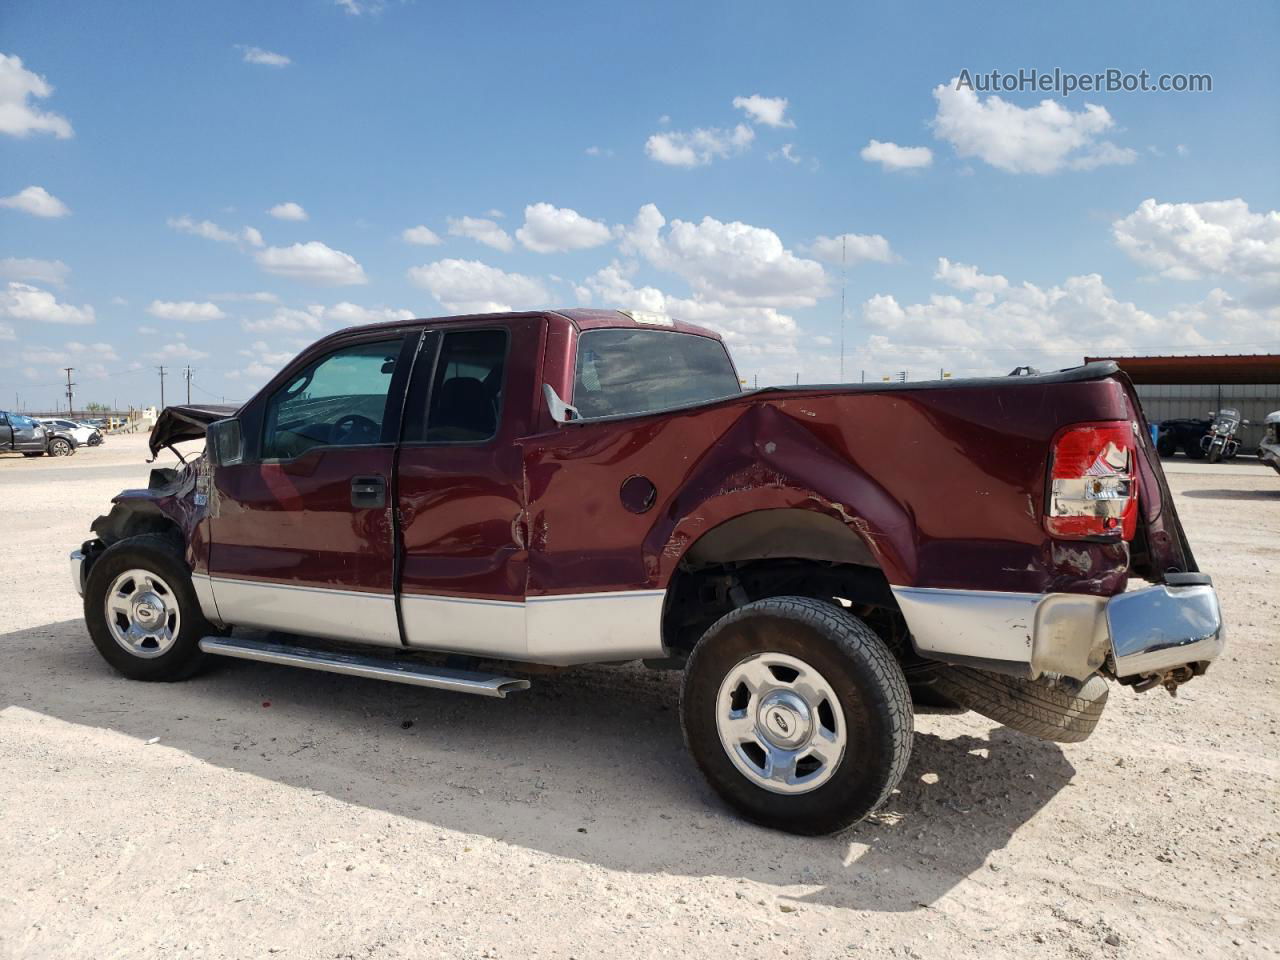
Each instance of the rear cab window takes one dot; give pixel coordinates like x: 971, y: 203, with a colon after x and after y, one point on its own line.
x: 627, y: 371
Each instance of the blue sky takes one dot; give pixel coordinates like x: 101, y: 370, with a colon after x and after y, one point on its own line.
x: 637, y: 155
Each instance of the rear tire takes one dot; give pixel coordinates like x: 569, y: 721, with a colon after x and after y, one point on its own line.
x: 847, y: 733
x: 142, y: 611
x: 1064, y: 711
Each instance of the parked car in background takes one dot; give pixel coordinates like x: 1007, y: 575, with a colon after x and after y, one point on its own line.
x: 591, y: 486
x: 1269, y: 449
x: 30, y: 437
x: 85, y: 434
x: 1185, y: 434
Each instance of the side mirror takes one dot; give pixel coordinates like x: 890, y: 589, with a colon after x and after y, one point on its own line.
x: 561, y: 412
x: 223, y: 442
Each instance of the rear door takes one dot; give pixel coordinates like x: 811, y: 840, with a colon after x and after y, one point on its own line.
x: 6, y: 433
x: 302, y: 531
x: 461, y: 491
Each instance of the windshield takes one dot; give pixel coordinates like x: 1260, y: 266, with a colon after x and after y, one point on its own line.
x: 639, y: 371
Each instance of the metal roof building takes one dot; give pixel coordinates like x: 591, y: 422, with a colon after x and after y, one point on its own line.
x: 1176, y: 387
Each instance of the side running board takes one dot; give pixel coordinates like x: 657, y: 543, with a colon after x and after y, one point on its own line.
x: 375, y: 668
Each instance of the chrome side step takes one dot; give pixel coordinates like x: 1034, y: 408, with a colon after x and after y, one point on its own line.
x: 375, y: 668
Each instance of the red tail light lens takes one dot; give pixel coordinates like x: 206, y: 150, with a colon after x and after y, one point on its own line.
x: 1092, y: 490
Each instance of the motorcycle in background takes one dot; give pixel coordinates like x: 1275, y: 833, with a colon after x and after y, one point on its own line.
x: 1220, y: 442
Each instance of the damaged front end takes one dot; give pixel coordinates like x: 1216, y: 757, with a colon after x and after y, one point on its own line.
x: 174, y: 501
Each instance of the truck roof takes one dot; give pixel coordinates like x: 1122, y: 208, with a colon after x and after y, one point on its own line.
x: 581, y: 317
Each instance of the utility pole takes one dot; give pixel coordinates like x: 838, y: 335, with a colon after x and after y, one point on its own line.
x: 188, y: 383
x: 161, y: 369
x: 70, y: 407
x: 844, y: 282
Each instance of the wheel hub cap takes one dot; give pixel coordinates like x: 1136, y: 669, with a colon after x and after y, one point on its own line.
x: 142, y: 613
x: 784, y: 719
x: 780, y: 723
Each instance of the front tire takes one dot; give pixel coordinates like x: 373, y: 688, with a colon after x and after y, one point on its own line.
x: 142, y: 611
x: 59, y: 448
x: 797, y: 714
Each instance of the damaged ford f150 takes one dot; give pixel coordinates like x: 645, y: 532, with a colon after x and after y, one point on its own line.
x: 450, y: 502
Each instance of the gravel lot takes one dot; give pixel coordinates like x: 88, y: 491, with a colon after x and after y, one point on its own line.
x: 292, y: 814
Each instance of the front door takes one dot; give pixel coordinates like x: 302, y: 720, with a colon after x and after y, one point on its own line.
x: 301, y: 532
x: 461, y: 495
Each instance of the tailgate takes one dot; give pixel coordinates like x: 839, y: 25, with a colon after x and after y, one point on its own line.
x: 1161, y: 546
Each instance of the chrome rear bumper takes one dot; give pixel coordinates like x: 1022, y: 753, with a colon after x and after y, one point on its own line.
x: 77, y: 568
x: 1139, y: 636
x: 1164, y: 627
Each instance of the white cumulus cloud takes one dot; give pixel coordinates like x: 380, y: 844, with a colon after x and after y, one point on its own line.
x: 852, y: 248
x: 422, y: 236
x: 28, y: 304
x: 1000, y: 325
x: 698, y: 147
x: 1041, y: 139
x: 757, y: 336
x: 54, y: 272
x: 209, y: 230
x: 185, y: 310
x: 550, y: 229
x: 470, y: 286
x: 19, y: 117
x: 1184, y: 241
x: 961, y: 276
x: 732, y: 263
x: 770, y: 111
x: 265, y: 58
x: 36, y: 201
x: 481, y: 230
x: 288, y: 211
x: 313, y: 262
x: 893, y: 157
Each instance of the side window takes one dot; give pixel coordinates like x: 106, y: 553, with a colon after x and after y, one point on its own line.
x: 339, y: 400
x: 466, y: 395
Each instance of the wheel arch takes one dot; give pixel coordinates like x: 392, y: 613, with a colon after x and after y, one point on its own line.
x: 773, y: 551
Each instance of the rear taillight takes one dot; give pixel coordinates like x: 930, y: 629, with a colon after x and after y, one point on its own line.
x: 1092, y: 491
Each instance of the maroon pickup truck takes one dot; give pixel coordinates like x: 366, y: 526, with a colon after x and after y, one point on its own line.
x: 449, y: 502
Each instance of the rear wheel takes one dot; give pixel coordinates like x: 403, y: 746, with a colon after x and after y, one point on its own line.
x: 142, y: 611
x: 797, y: 714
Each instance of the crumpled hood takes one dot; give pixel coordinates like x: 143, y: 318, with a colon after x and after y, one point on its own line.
x: 187, y: 422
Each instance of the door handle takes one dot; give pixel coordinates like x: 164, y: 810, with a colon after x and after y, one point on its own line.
x: 368, y: 492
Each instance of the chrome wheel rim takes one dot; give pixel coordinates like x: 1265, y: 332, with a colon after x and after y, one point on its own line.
x: 780, y: 723
x: 142, y: 613
x: 59, y: 448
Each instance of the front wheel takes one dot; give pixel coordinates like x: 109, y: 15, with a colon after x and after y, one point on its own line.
x: 59, y: 447
x: 797, y: 714
x: 142, y: 611
x: 1215, y: 452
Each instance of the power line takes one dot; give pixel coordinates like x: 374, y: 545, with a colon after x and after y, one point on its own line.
x: 70, y: 405
x: 161, y: 369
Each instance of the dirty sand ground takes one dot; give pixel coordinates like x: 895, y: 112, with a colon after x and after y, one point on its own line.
x: 568, y: 822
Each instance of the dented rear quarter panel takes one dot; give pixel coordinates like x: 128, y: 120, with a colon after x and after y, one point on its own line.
x: 946, y: 486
